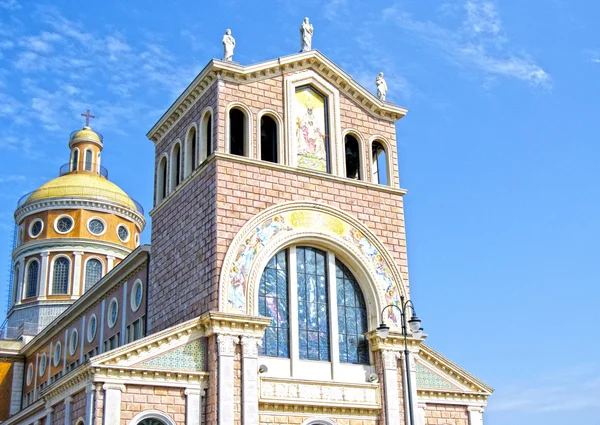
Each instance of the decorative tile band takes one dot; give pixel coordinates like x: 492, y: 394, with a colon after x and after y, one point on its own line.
x: 191, y: 356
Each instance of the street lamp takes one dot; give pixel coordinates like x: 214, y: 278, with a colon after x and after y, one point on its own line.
x: 414, y: 324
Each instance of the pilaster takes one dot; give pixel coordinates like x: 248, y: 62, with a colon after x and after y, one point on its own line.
x: 420, y: 416
x: 68, y: 402
x: 90, y: 393
x: 389, y: 359
x: 193, y: 406
x: 112, y: 404
x: 250, y: 379
x: 16, y: 396
x: 20, y: 279
x: 475, y: 415
x: 49, y: 412
x: 227, y: 345
x: 110, y: 263
x: 76, y: 290
x: 42, y: 289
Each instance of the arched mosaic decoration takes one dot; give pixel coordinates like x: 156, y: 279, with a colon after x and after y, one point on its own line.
x: 284, y: 222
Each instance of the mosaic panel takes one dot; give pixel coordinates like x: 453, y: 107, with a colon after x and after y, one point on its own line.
x: 191, y: 356
x: 428, y: 379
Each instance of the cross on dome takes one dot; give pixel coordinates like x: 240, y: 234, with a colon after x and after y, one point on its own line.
x: 87, y: 116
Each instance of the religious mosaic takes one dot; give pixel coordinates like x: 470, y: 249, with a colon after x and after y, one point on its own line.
x: 286, y: 222
x: 191, y: 356
x: 310, y: 111
x: 426, y: 379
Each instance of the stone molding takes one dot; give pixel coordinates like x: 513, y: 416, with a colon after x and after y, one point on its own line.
x: 46, y: 246
x: 118, y: 387
x: 217, y: 70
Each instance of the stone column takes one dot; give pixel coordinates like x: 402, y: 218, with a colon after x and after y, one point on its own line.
x: 49, y: 411
x: 193, y: 406
x: 68, y: 401
x: 76, y: 290
x: 227, y: 345
x: 110, y: 262
x: 112, y: 404
x: 475, y: 415
x: 250, y: 380
x: 43, y: 276
x: 389, y: 359
x: 90, y: 391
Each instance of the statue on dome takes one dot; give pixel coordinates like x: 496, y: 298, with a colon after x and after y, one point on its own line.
x: 306, y: 33
x: 228, y: 46
x: 381, y: 87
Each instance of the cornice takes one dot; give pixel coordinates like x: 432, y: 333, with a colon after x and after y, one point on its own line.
x: 80, y: 203
x: 144, y: 376
x: 445, y: 396
x: 277, y: 167
x: 394, y: 341
x: 71, y: 244
x: 311, y: 409
x: 79, y: 377
x: 224, y: 70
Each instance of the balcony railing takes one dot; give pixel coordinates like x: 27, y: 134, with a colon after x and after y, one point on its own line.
x: 66, y: 168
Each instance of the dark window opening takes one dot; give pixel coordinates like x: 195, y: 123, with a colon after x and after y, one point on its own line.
x: 209, y: 146
x: 163, y: 177
x: 237, y: 127
x: 177, y: 165
x: 379, y: 164
x: 193, y: 153
x: 352, y: 157
x: 74, y: 163
x: 268, y: 139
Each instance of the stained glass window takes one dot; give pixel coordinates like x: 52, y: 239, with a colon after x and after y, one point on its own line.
x: 32, y: 279
x: 313, y: 324
x: 60, y: 278
x: 352, y: 317
x: 93, y: 273
x: 273, y: 302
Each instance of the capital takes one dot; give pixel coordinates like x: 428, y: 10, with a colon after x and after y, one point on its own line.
x: 194, y: 391
x: 390, y: 359
x: 478, y: 409
x: 118, y: 387
x: 68, y: 400
x: 227, y: 344
x: 250, y: 346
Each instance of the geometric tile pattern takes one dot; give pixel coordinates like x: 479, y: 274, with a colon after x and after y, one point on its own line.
x: 189, y: 357
x: 427, y: 379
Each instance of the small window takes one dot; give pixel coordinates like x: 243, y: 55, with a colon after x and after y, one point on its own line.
x: 161, y: 176
x: 60, y: 277
x: 96, y: 226
x: 113, y: 312
x: 93, y: 273
x: 176, y: 166
x: 73, y: 341
x: 123, y: 233
x: 36, y: 227
x: 268, y: 139
x: 352, y: 157
x: 190, y: 152
x: 92, y: 328
x: 29, y: 373
x: 75, y: 160
x: 208, y: 135
x: 63, y: 224
x: 43, y: 364
x: 379, y: 164
x: 57, y: 354
x: 32, y: 279
x: 237, y: 132
x: 88, y: 160
x: 137, y: 293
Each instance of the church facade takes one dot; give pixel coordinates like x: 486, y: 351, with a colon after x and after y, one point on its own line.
x: 278, y: 239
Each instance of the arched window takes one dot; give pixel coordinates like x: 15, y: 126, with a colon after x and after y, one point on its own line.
x: 209, y: 135
x: 88, y: 160
x: 190, y: 152
x: 311, y: 322
x: 93, y: 273
x: 237, y: 132
x: 161, y: 175
x: 33, y: 276
x: 60, y: 276
x: 351, y: 146
x: 379, y: 164
x: 75, y: 160
x: 268, y: 139
x: 175, y: 166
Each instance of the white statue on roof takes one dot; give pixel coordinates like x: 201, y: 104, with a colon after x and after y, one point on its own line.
x: 228, y: 46
x: 381, y: 87
x: 306, y: 33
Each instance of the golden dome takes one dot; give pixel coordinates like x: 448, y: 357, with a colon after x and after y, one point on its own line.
x: 82, y: 185
x: 86, y: 133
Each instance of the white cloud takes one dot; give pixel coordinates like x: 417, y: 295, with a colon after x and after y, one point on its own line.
x: 479, y: 43
x: 9, y: 4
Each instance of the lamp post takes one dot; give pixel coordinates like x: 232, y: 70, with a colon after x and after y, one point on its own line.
x: 415, y: 329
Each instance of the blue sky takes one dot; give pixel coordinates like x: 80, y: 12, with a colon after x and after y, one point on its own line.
x: 499, y: 152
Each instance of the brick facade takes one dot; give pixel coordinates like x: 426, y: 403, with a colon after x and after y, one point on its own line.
x: 137, y: 399
x: 445, y: 414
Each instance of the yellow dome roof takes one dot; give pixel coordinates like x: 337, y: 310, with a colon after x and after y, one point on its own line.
x: 86, y: 133
x: 82, y: 185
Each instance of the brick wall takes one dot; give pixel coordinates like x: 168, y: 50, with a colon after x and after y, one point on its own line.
x: 442, y: 414
x: 98, y: 405
x: 211, y: 397
x: 58, y: 417
x: 137, y: 399
x: 78, y: 407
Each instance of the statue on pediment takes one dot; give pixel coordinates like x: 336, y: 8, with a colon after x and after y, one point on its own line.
x: 228, y: 46
x: 381, y: 87
x: 306, y: 33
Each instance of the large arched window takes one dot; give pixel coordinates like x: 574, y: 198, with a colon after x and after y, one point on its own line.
x: 162, y: 182
x: 175, y: 177
x: 351, y: 146
x: 237, y: 132
x: 88, y: 160
x: 33, y: 276
x: 60, y: 276
x: 379, y: 163
x: 93, y: 272
x: 75, y: 160
x: 302, y: 325
x: 191, y: 143
x: 268, y: 139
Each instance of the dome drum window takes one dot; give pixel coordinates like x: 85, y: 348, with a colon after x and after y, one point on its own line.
x: 57, y: 354
x: 123, y: 233
x: 36, y: 227
x: 113, y: 313
x: 92, y: 328
x: 63, y: 224
x: 96, y: 226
